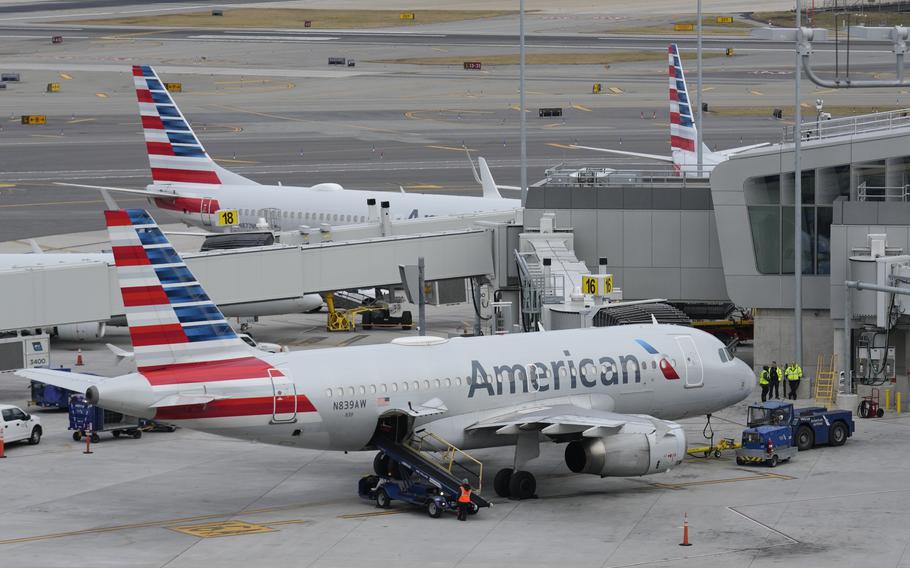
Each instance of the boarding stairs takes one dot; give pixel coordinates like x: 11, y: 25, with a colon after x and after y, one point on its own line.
x: 436, y: 461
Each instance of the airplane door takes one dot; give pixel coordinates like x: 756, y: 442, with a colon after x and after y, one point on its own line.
x: 691, y: 365
x: 207, y: 210
x: 284, y: 397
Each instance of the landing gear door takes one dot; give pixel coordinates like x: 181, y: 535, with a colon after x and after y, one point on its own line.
x: 284, y: 397
x: 690, y: 366
x: 208, y: 210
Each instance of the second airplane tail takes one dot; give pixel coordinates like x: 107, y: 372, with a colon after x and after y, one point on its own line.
x: 175, y: 154
x: 683, y: 134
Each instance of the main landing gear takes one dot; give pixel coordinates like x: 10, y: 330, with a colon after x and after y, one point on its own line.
x: 513, y: 482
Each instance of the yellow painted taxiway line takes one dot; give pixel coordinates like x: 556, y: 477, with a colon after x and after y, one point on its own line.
x: 581, y: 107
x: 7, y: 185
x: 423, y: 186
x: 234, y: 161
x: 101, y: 95
x: 755, y: 93
x: 66, y: 76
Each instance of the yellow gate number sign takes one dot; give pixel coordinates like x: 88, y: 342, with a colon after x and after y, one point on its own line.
x: 228, y: 217
x: 599, y: 285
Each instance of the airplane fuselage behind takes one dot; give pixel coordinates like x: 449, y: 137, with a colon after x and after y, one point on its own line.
x: 289, y: 207
x: 321, y: 399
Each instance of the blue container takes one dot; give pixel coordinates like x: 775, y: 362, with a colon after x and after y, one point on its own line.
x: 50, y: 396
x: 82, y: 415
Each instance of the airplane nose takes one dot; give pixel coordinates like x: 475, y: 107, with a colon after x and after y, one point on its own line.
x: 748, y: 377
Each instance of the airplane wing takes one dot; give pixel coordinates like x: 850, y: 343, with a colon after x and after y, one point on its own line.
x: 568, y: 419
x: 733, y: 151
x: 77, y: 382
x: 625, y: 153
x: 144, y: 192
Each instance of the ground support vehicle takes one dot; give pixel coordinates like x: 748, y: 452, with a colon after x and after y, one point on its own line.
x: 808, y: 426
x: 88, y: 419
x: 19, y: 425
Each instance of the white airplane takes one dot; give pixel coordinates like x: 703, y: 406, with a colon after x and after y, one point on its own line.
x: 186, y: 181
x: 608, y: 393
x: 683, y: 134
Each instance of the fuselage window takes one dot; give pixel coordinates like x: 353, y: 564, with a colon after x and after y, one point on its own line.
x: 394, y: 387
x: 404, y: 386
x: 372, y: 389
x: 457, y: 381
x: 447, y: 382
x: 350, y: 391
x: 339, y: 392
x: 416, y: 385
x: 435, y: 383
x: 328, y: 393
x: 362, y: 389
x: 382, y: 388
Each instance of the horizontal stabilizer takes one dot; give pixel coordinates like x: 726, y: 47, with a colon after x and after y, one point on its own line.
x: 144, y: 192
x: 657, y: 157
x: 77, y: 382
x: 189, y: 399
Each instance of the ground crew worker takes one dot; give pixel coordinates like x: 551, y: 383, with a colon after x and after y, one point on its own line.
x: 794, y: 375
x: 764, y: 382
x: 774, y: 377
x: 464, y: 500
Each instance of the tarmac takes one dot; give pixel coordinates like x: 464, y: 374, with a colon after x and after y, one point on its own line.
x: 265, y: 104
x: 187, y: 499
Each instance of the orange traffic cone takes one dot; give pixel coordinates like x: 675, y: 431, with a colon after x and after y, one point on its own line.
x: 685, y: 541
x: 79, y: 362
x: 2, y: 445
x: 88, y: 440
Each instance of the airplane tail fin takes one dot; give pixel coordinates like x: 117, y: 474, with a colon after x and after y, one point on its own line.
x: 490, y: 191
x: 172, y: 321
x: 175, y: 153
x: 683, y: 134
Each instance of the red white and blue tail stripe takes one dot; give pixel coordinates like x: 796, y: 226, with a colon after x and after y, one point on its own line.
x: 175, y: 154
x: 682, y: 127
x: 172, y: 321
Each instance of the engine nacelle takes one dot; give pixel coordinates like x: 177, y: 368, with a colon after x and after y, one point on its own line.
x: 629, y: 454
x: 81, y: 331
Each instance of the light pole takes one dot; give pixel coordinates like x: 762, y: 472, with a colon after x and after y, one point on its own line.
x: 798, y: 207
x: 698, y: 134
x: 521, y: 102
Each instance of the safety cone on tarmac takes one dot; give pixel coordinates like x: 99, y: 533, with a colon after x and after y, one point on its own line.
x: 2, y: 445
x: 685, y: 541
x: 79, y: 362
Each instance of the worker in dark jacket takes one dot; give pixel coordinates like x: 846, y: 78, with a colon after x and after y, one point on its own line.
x: 464, y: 500
x: 764, y: 382
x: 775, y: 376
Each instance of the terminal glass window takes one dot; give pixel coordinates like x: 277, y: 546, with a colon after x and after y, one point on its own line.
x: 765, y: 224
x: 808, y: 240
x: 763, y: 190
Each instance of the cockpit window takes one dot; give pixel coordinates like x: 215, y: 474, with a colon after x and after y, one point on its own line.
x: 725, y: 355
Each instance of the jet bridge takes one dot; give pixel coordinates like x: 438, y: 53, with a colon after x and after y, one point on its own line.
x: 50, y: 290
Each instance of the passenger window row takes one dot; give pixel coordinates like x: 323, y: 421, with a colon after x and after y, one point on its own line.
x: 403, y: 386
x: 308, y: 216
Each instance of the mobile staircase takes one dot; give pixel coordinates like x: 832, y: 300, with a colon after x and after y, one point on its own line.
x: 435, y: 461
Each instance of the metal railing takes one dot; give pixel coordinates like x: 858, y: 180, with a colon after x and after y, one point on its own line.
x: 444, y: 454
x: 850, y: 125
x: 606, y: 177
x: 882, y: 193
x: 549, y: 289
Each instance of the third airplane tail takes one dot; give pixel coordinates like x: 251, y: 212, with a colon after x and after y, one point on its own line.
x: 175, y: 154
x: 683, y: 134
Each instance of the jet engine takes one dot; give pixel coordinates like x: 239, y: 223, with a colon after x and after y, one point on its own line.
x: 629, y: 453
x: 81, y: 331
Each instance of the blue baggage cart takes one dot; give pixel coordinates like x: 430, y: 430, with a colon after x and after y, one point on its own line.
x: 87, y: 418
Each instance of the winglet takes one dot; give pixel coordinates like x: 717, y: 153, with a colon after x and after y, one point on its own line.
x: 490, y: 191
x: 654, y: 319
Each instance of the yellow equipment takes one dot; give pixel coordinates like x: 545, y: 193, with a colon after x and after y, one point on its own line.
x: 708, y: 451
x: 342, y: 320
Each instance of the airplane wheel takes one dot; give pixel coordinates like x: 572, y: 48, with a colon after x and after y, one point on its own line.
x: 381, y: 464
x: 522, y: 485
x: 880, y: 412
x: 383, y: 501
x: 501, y: 482
x: 116, y: 433
x: 137, y: 434
x: 95, y: 438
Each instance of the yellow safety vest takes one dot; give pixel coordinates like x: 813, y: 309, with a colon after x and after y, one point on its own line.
x: 763, y: 378
x: 793, y: 374
x: 799, y: 371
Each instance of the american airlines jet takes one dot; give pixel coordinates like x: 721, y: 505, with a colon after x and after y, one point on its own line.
x: 683, y: 135
x: 608, y: 394
x: 188, y: 182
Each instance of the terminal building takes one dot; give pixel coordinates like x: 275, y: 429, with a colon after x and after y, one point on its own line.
x: 731, y: 237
